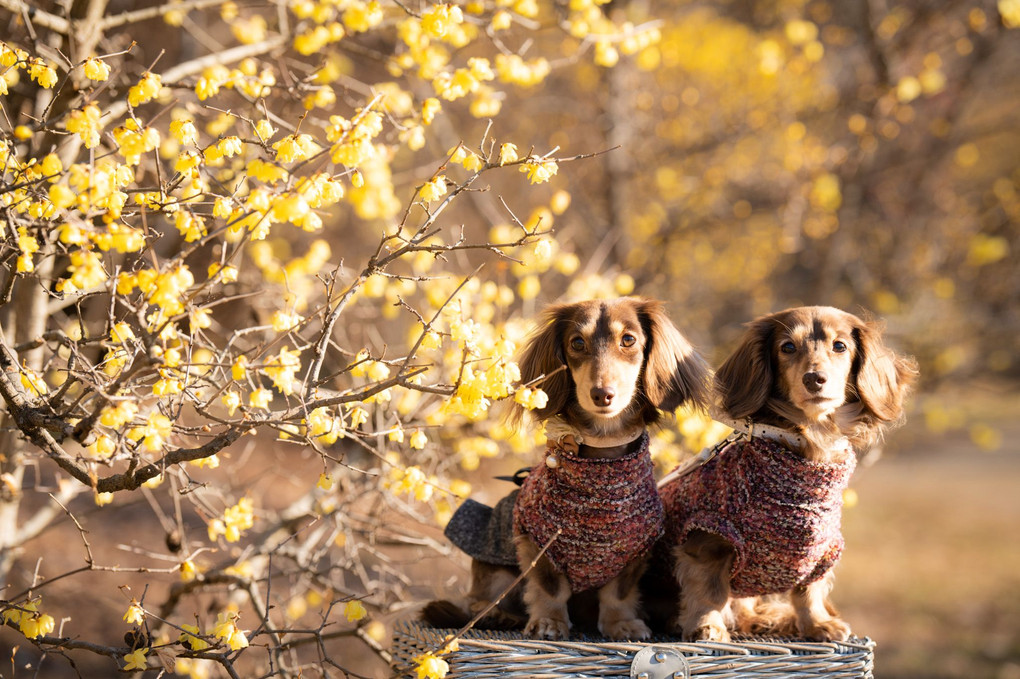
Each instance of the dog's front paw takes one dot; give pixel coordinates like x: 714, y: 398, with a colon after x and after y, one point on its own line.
x: 547, y: 628
x: 832, y: 629
x: 633, y: 629
x: 709, y: 632
x: 708, y: 628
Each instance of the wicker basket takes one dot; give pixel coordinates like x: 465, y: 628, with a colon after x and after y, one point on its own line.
x: 483, y: 654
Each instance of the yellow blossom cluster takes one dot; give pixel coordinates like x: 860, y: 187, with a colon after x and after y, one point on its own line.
x: 282, y: 368
x: 135, y: 615
x: 228, y: 176
x: 136, y: 660
x: 228, y: 632
x: 430, y: 665
x: 236, y: 519
x: 191, y: 636
x: 250, y: 78
x: 324, y: 426
x: 411, y: 481
x: 32, y: 622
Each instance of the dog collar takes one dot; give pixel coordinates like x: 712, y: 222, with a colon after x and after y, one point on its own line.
x: 744, y: 429
x: 788, y: 438
x: 556, y: 429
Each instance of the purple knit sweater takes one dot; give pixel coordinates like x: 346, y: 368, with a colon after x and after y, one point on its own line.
x: 780, y: 512
x: 609, y: 511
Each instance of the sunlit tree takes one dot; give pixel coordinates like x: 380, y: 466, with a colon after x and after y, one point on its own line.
x: 241, y: 294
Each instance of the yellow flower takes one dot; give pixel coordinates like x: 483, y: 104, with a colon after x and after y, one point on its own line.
x: 86, y: 124
x: 145, y: 90
x: 211, y: 462
x: 240, y: 367
x: 43, y: 73
x: 501, y: 20
x: 191, y: 637
x: 264, y: 129
x: 295, y: 147
x: 531, y: 399
x: 102, y: 447
x: 260, y: 398
x: 354, y: 610
x: 429, y: 108
x: 1010, y: 11
x: 33, y: 382
x: 155, y: 431
x: 431, y: 667
x: 325, y: 481
x: 135, y: 660
x: 30, y: 620
x: 184, y: 131
x: 283, y: 368
x: 227, y: 630
x: 441, y: 18
x: 605, y: 54
x: 433, y: 189
x: 361, y: 16
x: 102, y: 499
x: 323, y: 426
x: 230, y: 146
x: 539, y: 171
x: 188, y: 571
x: 135, y: 615
x: 418, y: 440
x: 116, y: 416
x: 231, y: 400
x: 358, y: 416
x: 96, y: 69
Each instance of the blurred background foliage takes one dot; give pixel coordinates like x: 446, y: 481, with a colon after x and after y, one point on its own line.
x: 743, y: 156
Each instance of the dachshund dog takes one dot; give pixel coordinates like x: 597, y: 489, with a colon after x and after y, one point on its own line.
x: 610, y: 369
x: 762, y: 518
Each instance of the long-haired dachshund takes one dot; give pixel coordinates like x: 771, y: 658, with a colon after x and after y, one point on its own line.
x: 814, y: 386
x: 610, y: 369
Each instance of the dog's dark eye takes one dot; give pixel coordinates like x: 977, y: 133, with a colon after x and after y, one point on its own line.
x: 628, y: 340
x: 788, y: 348
x: 839, y: 347
x: 577, y: 344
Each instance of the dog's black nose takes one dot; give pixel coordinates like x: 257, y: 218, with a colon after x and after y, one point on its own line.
x: 602, y: 396
x: 814, y: 381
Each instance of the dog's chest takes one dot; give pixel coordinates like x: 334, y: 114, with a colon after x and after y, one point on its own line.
x: 780, y: 512
x: 599, y: 514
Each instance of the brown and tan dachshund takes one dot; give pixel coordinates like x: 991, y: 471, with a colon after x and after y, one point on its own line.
x: 762, y: 518
x: 610, y: 369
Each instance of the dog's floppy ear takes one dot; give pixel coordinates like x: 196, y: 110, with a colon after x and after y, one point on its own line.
x: 881, y: 377
x: 744, y: 381
x: 674, y: 372
x: 543, y: 355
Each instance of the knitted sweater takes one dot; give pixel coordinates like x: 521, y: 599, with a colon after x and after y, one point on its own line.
x: 780, y: 512
x: 608, y: 510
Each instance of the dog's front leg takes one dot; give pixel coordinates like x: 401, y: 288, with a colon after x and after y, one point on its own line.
x: 703, y: 564
x: 816, y: 617
x: 619, y: 601
x: 546, y: 592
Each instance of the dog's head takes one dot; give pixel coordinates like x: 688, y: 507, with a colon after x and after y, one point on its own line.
x: 806, y: 363
x: 610, y: 365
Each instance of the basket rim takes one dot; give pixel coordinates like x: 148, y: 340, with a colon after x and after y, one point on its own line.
x: 741, y: 645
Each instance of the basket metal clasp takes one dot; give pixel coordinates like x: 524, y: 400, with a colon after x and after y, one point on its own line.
x: 659, y: 662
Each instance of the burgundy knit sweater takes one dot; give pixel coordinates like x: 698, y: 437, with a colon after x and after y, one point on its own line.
x: 609, y: 511
x: 780, y: 512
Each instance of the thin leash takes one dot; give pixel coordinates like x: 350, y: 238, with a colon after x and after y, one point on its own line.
x: 742, y: 430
